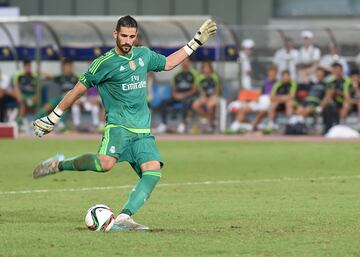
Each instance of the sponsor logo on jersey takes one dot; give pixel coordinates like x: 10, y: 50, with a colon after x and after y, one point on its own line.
x: 112, y: 149
x: 122, y: 68
x: 132, y: 65
x: 133, y: 86
x: 141, y: 62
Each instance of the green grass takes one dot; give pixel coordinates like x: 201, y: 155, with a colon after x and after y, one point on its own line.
x: 315, y: 211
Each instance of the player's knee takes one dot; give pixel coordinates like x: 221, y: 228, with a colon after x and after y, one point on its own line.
x: 151, y: 165
x: 107, y: 162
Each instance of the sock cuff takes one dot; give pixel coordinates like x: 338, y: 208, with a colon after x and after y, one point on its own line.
x: 156, y: 173
x: 98, y: 166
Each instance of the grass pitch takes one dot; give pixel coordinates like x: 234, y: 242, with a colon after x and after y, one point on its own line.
x: 215, y: 199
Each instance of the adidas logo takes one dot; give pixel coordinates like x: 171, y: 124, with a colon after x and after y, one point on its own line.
x: 122, y: 68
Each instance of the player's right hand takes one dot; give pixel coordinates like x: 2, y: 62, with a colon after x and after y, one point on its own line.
x: 43, y: 126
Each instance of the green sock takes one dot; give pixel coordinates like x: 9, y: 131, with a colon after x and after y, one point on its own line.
x: 81, y: 163
x: 142, y: 191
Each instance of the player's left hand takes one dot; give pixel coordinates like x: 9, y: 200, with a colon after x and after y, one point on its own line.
x: 43, y: 126
x: 207, y: 29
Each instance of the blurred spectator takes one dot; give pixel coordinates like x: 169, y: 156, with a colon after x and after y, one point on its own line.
x: 315, y: 96
x: 245, y: 56
x: 25, y: 89
x: 89, y: 103
x: 64, y: 82
x: 309, y: 55
x: 286, y: 58
x: 6, y: 96
x: 282, y: 97
x: 183, y: 93
x: 261, y: 106
x: 352, y: 95
x: 209, y: 87
x: 334, y: 98
x: 333, y: 56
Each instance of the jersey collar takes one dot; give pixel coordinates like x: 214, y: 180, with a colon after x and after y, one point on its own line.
x: 126, y: 56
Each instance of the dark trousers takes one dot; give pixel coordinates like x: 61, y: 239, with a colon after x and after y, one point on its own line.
x: 5, y: 101
x: 331, y: 116
x: 165, y: 105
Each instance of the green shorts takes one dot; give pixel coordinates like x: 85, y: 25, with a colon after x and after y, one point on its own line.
x: 125, y: 145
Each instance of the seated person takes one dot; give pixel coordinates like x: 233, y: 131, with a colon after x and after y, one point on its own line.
x: 183, y: 92
x: 351, y: 95
x: 209, y: 87
x: 90, y: 102
x: 25, y: 84
x: 282, y: 97
x: 333, y: 101
x: 315, y: 95
x: 6, y: 95
x: 261, y: 106
x: 64, y: 81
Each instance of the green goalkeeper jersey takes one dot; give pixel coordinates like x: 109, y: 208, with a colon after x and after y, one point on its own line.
x: 121, y: 82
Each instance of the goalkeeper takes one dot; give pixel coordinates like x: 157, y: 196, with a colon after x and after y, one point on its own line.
x: 120, y: 75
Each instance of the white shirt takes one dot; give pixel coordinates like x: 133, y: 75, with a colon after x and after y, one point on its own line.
x: 286, y: 60
x: 327, y: 60
x: 4, y: 82
x: 309, y: 55
x: 245, y: 66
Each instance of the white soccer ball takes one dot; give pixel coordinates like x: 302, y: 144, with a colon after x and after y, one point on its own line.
x: 99, y: 218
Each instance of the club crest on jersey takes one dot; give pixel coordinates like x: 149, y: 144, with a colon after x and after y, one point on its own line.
x: 141, y: 62
x: 132, y: 65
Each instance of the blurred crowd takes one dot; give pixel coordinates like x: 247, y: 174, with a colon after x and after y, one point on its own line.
x: 303, y: 87
x: 21, y: 102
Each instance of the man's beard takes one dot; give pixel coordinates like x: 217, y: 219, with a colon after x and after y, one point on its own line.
x: 122, y: 47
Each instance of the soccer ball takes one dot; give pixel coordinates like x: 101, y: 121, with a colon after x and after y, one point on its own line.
x: 99, y: 218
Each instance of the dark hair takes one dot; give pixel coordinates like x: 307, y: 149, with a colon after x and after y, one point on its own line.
x: 336, y: 64
x: 126, y: 21
x: 354, y: 71
x: 26, y: 61
x: 272, y: 67
x: 67, y: 61
x: 285, y: 72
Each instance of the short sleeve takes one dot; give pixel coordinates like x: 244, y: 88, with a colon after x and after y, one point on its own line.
x: 96, y: 73
x: 156, y: 61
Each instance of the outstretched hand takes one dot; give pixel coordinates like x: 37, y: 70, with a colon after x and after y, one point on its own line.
x: 43, y: 126
x: 207, y: 29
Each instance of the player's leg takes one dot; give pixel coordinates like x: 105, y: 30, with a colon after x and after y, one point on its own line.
x: 164, y: 105
x: 211, y: 104
x: 84, y: 162
x: 103, y: 161
x: 147, y: 164
x: 289, y: 107
x: 272, y: 110
x: 198, y: 106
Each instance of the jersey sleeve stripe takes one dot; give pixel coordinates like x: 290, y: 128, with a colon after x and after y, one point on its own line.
x: 98, y: 64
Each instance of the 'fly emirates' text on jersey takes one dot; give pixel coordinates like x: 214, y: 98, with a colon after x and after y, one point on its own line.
x: 121, y: 81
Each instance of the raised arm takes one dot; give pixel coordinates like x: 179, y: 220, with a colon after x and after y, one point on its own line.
x: 207, y: 29
x: 46, y: 124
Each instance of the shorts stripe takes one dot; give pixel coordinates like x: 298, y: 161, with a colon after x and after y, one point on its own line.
x: 105, y: 141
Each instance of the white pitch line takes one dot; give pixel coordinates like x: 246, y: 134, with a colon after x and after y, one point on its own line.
x: 219, y: 182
